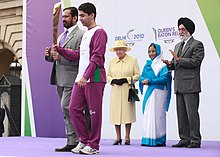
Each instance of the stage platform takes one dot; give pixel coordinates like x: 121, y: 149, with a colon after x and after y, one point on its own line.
x: 44, y: 147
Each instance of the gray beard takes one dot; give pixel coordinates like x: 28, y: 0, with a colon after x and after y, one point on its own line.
x: 185, y: 37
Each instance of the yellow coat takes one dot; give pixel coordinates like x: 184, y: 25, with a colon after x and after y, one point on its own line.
x: 122, y: 111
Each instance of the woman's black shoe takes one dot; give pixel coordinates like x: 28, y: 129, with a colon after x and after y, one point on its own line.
x: 161, y: 145
x: 144, y: 145
x: 127, y: 142
x: 117, y: 142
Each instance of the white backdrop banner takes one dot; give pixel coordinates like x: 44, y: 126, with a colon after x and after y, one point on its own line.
x: 139, y: 23
x: 144, y: 21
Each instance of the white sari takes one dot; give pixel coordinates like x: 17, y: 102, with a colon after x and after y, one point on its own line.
x: 155, y: 98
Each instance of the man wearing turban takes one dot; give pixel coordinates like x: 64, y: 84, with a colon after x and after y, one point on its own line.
x: 187, y: 58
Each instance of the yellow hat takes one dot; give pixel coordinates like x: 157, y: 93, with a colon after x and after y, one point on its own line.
x: 120, y: 44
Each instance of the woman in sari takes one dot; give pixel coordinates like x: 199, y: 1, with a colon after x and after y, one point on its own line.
x: 155, y: 86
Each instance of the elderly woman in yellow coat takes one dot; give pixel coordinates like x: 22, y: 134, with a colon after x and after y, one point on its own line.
x: 121, y: 69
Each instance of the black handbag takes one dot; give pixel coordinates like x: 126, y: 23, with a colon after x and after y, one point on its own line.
x: 133, y: 93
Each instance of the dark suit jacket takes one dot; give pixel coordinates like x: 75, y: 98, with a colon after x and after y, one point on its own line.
x: 187, y: 69
x: 64, y: 72
x: 2, y: 117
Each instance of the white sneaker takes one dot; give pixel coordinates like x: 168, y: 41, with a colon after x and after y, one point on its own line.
x: 79, y: 147
x: 88, y: 150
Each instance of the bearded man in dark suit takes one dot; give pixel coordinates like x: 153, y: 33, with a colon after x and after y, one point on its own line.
x: 187, y: 58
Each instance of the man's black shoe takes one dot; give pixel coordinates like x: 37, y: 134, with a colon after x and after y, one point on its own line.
x: 181, y: 144
x: 194, y: 145
x: 66, y: 148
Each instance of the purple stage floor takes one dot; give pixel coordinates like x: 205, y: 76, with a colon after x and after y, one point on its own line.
x: 44, y: 147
